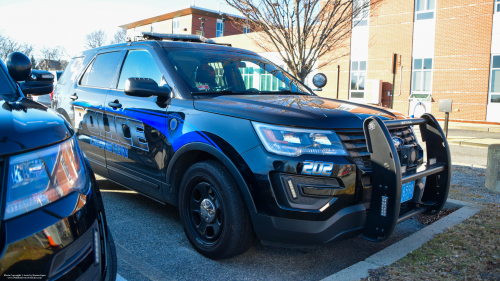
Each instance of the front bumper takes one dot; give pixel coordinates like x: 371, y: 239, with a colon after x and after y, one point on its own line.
x: 305, y: 219
x: 287, y: 232
x: 65, y: 240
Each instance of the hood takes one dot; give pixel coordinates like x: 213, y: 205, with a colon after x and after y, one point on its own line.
x: 298, y: 111
x: 26, y: 124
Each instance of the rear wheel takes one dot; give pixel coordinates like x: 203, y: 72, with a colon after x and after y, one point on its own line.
x: 213, y: 213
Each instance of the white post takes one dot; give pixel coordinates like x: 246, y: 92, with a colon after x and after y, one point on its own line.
x: 219, y: 6
x: 193, y: 3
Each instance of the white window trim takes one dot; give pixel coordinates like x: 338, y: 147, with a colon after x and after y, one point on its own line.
x: 357, y: 73
x: 490, y: 92
x: 422, y: 70
x: 360, y: 16
x: 175, y: 30
x: 246, y: 28
x: 217, y: 28
x: 426, y: 10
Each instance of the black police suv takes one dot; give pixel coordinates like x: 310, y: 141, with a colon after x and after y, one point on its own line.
x: 244, y: 148
x: 53, y: 225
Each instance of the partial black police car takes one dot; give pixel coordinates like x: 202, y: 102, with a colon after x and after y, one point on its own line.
x: 53, y: 225
x: 244, y: 148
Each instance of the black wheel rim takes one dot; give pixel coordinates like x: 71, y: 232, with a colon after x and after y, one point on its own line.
x: 205, y: 213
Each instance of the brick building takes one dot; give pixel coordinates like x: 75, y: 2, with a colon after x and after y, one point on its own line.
x: 446, y: 49
x: 187, y: 21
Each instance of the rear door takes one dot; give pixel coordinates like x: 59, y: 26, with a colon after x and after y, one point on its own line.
x: 89, y: 97
x: 136, y: 157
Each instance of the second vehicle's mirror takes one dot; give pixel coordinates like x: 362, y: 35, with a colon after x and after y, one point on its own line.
x: 19, y: 66
x: 144, y: 87
x: 319, y: 80
x: 40, y: 82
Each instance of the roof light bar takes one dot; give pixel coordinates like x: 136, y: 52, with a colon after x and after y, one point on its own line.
x: 175, y: 37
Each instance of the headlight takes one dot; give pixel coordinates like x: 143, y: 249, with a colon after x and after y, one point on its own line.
x: 295, y: 142
x: 40, y: 177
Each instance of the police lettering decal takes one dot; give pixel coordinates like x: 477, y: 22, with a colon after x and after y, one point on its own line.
x: 123, y: 131
x: 317, y: 168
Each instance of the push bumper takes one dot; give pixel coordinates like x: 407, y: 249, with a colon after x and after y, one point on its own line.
x: 389, y: 174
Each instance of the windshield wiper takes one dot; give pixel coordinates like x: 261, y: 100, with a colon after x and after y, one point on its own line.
x: 287, y: 92
x: 224, y: 92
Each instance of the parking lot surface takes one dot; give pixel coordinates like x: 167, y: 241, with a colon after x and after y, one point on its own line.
x: 151, y: 245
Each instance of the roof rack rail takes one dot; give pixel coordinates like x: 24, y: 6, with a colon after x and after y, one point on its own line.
x: 176, y: 37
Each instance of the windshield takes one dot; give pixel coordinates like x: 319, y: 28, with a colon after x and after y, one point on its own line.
x: 208, y: 72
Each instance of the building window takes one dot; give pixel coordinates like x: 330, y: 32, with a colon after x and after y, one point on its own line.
x: 246, y: 28
x: 422, y: 76
x: 362, y: 10
x: 220, y: 28
x: 498, y: 5
x: 247, y: 74
x: 495, y: 80
x: 424, y: 9
x: 358, y: 78
x: 175, y: 26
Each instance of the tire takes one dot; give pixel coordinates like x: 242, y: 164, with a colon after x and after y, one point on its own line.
x: 221, y: 227
x: 111, y: 261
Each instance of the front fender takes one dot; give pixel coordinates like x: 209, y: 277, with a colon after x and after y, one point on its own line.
x: 199, y: 146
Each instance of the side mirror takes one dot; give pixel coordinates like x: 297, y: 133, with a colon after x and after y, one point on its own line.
x: 40, y: 82
x: 145, y: 87
x: 19, y: 66
x: 319, y: 80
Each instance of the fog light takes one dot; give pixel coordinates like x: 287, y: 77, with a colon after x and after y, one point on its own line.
x: 97, y: 247
x: 292, y: 189
x: 383, y: 209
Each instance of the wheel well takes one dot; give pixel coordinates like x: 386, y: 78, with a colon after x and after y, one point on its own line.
x: 182, y: 164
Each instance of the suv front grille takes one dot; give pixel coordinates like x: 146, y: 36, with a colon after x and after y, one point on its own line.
x: 355, y: 143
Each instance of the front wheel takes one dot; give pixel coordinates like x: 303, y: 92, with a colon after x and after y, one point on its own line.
x: 213, y: 213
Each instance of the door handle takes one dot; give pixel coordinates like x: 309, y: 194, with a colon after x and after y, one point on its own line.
x: 74, y: 96
x: 115, y: 104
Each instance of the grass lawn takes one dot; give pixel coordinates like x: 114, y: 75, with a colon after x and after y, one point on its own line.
x: 468, y: 251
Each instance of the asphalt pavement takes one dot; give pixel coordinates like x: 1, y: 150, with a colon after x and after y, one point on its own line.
x: 151, y: 245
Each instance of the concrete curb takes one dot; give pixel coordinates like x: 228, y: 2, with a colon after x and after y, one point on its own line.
x: 466, y: 143
x: 402, y: 248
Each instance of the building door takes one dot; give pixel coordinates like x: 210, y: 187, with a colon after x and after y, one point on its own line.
x: 421, y: 89
x: 493, y: 108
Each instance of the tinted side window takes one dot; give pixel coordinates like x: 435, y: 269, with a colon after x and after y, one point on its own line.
x: 72, y: 70
x: 139, y: 64
x: 102, y: 70
x: 5, y: 85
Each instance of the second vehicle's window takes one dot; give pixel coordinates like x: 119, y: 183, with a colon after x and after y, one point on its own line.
x: 101, y: 72
x: 139, y: 64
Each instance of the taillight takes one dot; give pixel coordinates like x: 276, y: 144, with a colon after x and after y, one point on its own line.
x: 51, y: 94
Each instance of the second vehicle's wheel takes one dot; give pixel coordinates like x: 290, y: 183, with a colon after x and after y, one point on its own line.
x: 213, y: 213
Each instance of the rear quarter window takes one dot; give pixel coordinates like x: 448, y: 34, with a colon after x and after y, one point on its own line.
x: 72, y: 70
x: 101, y: 72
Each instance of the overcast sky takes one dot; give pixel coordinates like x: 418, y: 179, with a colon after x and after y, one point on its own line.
x: 66, y: 22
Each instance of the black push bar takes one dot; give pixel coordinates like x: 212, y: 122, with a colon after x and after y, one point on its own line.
x: 388, y: 177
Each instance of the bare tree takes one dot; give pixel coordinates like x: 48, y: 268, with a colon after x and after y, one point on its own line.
x: 95, y: 39
x: 52, y: 57
x: 9, y: 45
x: 52, y: 53
x: 303, y: 31
x: 119, y: 37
